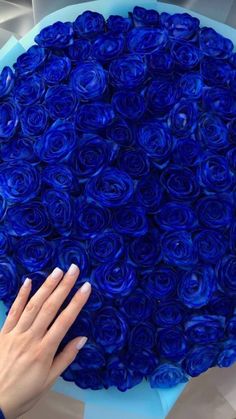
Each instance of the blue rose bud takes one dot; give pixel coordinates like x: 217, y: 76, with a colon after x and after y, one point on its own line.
x: 166, y: 376
x: 26, y: 219
x: 107, y: 319
x: 172, y: 343
x: 134, y: 162
x: 3, y: 206
x: 159, y: 282
x: 146, y: 40
x: 68, y: 251
x: 94, y: 116
x: 9, y: 120
x: 214, y: 174
x: 227, y: 356
x: 143, y: 17
x: 212, y: 132
x: 220, y: 101
x: 119, y: 24
x: 181, y: 26
x: 211, y: 245
x: 196, y: 286
x: 226, y: 273
x: 120, y: 132
x: 80, y: 50
x: 30, y: 60
x: 205, y: 328
x: 34, y: 252
x: 185, y: 55
x: 128, y: 72
x: 108, y: 46
x: 89, y: 24
x: 160, y: 63
x: 60, y: 210
x: 200, y: 358
x: 55, y: 69
x: 231, y: 157
x: 60, y: 101
x: 29, y: 89
x: 9, y: 284
x: 58, y: 35
x: 34, y: 120
x: 180, y: 183
x: 216, y: 72
x: 175, y: 216
x: 191, y: 85
x: 57, y: 142
x: 215, y: 212
x: 130, y: 220
x: 137, y: 306
x: 58, y: 177
x: 129, y: 104
x: 92, y: 355
x: 106, y: 247
x: 114, y: 279
x: 221, y: 305
x: 7, y: 79
x: 169, y: 313
x: 149, y: 193
x: 233, y: 237
x: 187, y: 152
x: 161, y: 96
x: 89, y: 80
x: 90, y: 219
x: 18, y: 149
x: 4, y: 244
x: 214, y: 44
x: 178, y: 248
x: 142, y: 336
x: 145, y: 250
x: 183, y: 118
x: 120, y: 375
x: 111, y: 188
x: 143, y: 361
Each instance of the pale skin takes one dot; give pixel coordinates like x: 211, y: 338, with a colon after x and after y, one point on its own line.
x: 29, y: 340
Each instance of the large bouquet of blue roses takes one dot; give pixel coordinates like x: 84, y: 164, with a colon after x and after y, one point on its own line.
x: 118, y: 153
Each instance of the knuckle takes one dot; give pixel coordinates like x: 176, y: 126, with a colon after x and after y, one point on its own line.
x: 31, y: 306
x: 49, y: 307
x: 65, y: 320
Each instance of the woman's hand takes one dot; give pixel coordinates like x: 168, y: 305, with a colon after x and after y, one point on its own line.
x: 28, y: 366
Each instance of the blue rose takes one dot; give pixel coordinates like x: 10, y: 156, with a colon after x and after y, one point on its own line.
x: 89, y: 80
x: 114, y: 279
x: 68, y: 251
x: 176, y: 216
x: 226, y: 273
x: 169, y: 313
x: 55, y: 69
x: 220, y: 101
x: 106, y: 247
x: 231, y: 157
x: 142, y: 336
x: 215, y: 72
x: 159, y: 282
x: 57, y: 142
x: 227, y: 356
x: 190, y: 85
x: 215, y: 212
x: 196, y: 286
x: 205, y: 328
x: 3, y: 206
x: 214, y: 44
x: 95, y: 302
x: 119, y: 24
x: 58, y: 177
x: 19, y: 148
x: 129, y: 104
x: 172, y: 343
x: 108, y: 46
x: 134, y: 162
x: 89, y: 24
x: 137, y: 306
x: 232, y: 80
x: 211, y: 245
x: 181, y: 26
x: 80, y: 50
x: 221, y: 304
x: 29, y: 89
x: 178, y: 248
x: 183, y: 118
x: 60, y: 101
x: 231, y: 326
x: 26, y: 219
x: 145, y: 250
x: 187, y: 152
x: 107, y: 319
x: 166, y: 376
x: 19, y: 181
x: 110, y: 188
x: 9, y: 119
x: 161, y: 96
x: 143, y: 361
x: 233, y: 237
x: 34, y: 120
x: 212, y: 132
x: 37, y: 280
x: 200, y: 358
x: 180, y: 182
x: 128, y: 72
x: 34, y: 252
x: 149, y: 193
x: 146, y: 40
x: 91, y: 355
x: 143, y: 17
x: 60, y: 210
x: 120, y: 132
x: 94, y: 116
x: 91, y: 219
x: 214, y: 173
x: 232, y: 130
x: 155, y: 139
x: 7, y: 80
x: 4, y: 244
x: 58, y: 35
x: 92, y: 155
x: 160, y: 63
x: 130, y: 220
x: 9, y: 281
x: 30, y: 60
x: 89, y: 378
x: 185, y: 55
x: 118, y: 374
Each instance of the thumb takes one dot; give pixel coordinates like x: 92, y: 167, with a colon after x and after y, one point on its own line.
x: 64, y: 359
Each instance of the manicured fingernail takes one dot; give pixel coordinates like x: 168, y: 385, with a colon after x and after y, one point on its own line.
x: 27, y: 281
x: 81, y: 342
x: 56, y: 273
x: 73, y: 270
x: 86, y: 287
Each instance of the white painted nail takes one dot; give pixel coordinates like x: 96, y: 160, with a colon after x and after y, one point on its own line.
x: 27, y: 281
x: 81, y: 342
x: 56, y: 273
x: 73, y: 270
x: 86, y: 287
